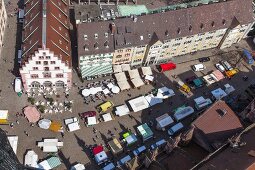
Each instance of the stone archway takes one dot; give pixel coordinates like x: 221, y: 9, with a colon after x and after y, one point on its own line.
x: 35, y: 84
x: 60, y: 84
x: 47, y: 84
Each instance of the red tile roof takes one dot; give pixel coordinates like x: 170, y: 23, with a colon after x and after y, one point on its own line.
x: 57, y: 29
x: 215, y: 126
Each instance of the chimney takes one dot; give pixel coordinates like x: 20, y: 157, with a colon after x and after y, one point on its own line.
x: 113, y: 28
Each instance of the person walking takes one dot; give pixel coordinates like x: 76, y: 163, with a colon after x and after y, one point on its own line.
x: 17, y: 121
x: 62, y: 134
x: 11, y: 125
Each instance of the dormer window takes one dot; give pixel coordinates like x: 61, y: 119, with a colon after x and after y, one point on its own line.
x: 96, y: 36
x: 96, y: 45
x: 85, y: 37
x: 106, y: 35
x: 202, y: 26
x: 213, y: 24
x: 86, y: 47
x: 167, y: 33
x: 179, y: 31
x: 106, y: 44
x: 149, y: 35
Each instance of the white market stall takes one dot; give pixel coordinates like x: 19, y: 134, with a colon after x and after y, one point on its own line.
x: 124, y: 85
x: 153, y: 100
x: 107, y: 117
x: 150, y: 78
x: 50, y: 145
x: 44, y: 123
x: 133, y: 74
x: 78, y: 166
x: 120, y: 76
x: 31, y: 159
x: 137, y: 82
x: 125, y: 67
x: 117, y: 68
x: 163, y: 121
x: 165, y: 92
x: 122, y: 110
x: 91, y: 121
x: 72, y: 124
x: 139, y: 103
x: 183, y: 112
x: 4, y: 116
x: 85, y: 92
x: 218, y: 93
x: 146, y: 71
x: 13, y: 140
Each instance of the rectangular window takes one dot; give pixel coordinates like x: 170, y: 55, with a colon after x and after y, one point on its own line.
x: 35, y: 68
x: 45, y: 63
x: 38, y: 62
x: 57, y: 68
x: 207, y: 38
x: 47, y: 57
x: 47, y: 75
x: 118, y: 56
x: 52, y: 62
x: 59, y: 75
x: 34, y: 76
x: 41, y: 57
x: 46, y: 68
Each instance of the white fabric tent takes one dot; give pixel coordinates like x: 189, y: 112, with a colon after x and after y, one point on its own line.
x: 117, y: 68
x: 31, y: 159
x: 115, y: 89
x: 124, y: 85
x: 166, y: 92
x: 125, y: 67
x: 44, y: 123
x: 92, y: 120
x: 13, y: 140
x: 137, y: 82
x: 133, y: 74
x: 100, y: 157
x: 107, y: 117
x: 153, y: 100
x: 120, y: 76
x: 146, y: 71
x: 85, y: 92
x: 122, y: 110
x: 148, y: 77
x: 78, y: 167
x: 139, y: 103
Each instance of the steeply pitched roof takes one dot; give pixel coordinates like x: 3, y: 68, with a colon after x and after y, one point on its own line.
x: 218, y: 123
x: 47, y: 24
x: 172, y: 24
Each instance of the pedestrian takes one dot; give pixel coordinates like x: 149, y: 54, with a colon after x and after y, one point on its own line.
x: 11, y: 125
x: 97, y: 136
x: 26, y: 133
x: 17, y: 121
x: 129, y: 94
x: 115, y: 128
x: 32, y: 124
x: 62, y: 134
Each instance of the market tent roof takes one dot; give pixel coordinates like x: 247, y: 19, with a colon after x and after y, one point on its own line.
x: 228, y: 88
x: 101, y: 157
x: 218, y: 74
x: 117, y: 68
x: 125, y: 67
x: 131, y: 139
x: 146, y: 71
x: 139, y: 103
x: 78, y: 167
x: 115, y: 89
x: 218, y: 93
x: 85, y: 92
x: 120, y: 76
x: 133, y: 74
x: 115, y: 146
x: 107, y: 117
x: 31, y: 114
x: 164, y: 120
x: 122, y: 110
x: 31, y: 159
x: 13, y: 140
x: 137, y: 82
x: 54, y: 162
x: 166, y: 92
x: 55, y: 126
x: 98, y: 149
x: 153, y: 100
x: 210, y: 79
x: 44, y: 123
x: 124, y: 85
x: 92, y: 120
x: 145, y: 131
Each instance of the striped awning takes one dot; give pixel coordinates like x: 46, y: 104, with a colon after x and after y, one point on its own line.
x: 96, y: 70
x: 54, y: 162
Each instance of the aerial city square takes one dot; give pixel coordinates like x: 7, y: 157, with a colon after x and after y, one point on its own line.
x: 127, y: 85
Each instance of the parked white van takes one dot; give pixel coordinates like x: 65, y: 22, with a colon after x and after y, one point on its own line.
x: 198, y: 67
x: 177, y: 127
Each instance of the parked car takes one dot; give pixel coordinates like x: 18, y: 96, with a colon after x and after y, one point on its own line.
x: 220, y: 67
x: 231, y: 73
x: 226, y: 65
x: 87, y: 114
x: 204, y: 59
x: 198, y: 67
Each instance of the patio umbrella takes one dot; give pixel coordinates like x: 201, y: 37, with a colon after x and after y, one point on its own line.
x: 115, y: 89
x: 44, y: 123
x: 85, y: 92
x: 31, y: 114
